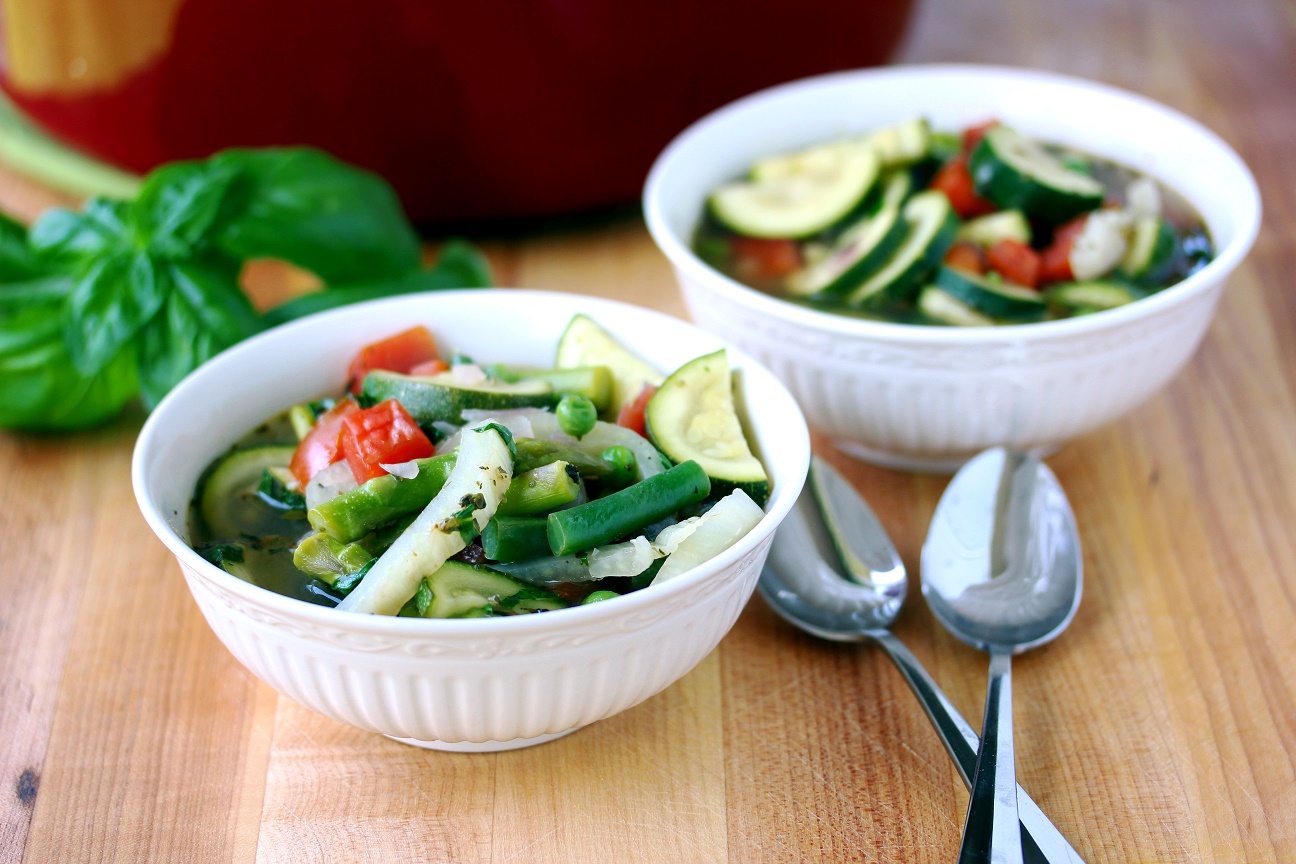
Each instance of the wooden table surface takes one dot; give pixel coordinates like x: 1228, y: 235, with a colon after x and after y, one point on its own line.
x: 1160, y: 727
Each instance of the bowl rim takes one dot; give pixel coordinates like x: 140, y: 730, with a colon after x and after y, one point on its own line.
x: 678, y: 251
x: 781, y: 501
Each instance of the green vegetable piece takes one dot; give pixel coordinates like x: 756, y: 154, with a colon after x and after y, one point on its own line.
x: 547, y: 570
x: 541, y: 490
x: 229, y: 557
x: 616, y: 516
x: 534, y: 452
x: 576, y: 415
x: 302, y: 419
x: 423, y: 598
x: 599, y: 597
x: 460, y: 590
x: 624, y: 465
x: 353, y: 514
x: 328, y: 559
x: 272, y: 491
x: 346, y: 584
x: 515, y: 538
x: 593, y: 382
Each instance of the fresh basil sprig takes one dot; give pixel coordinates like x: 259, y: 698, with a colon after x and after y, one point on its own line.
x: 125, y: 298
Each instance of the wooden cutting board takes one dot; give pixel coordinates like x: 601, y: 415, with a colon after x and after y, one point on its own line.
x: 1160, y: 727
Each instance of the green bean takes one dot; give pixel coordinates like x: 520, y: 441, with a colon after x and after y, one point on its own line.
x: 611, y: 518
x: 534, y: 452
x: 541, y: 490
x: 576, y: 415
x: 515, y: 538
x: 327, y: 558
x: 352, y: 515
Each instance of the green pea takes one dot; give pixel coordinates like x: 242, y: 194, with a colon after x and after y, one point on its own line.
x: 624, y: 465
x: 598, y: 596
x: 576, y: 415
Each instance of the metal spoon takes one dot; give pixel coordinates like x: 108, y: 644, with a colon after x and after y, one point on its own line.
x: 1001, y: 570
x: 803, y: 587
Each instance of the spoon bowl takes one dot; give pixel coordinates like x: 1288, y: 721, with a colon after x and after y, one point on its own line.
x: 1001, y: 570
x: 1001, y: 566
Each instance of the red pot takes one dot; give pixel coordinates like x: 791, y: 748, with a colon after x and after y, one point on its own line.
x: 473, y: 110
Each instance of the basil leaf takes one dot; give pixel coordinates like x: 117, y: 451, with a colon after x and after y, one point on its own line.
x: 40, y: 388
x: 210, y: 286
x: 115, y: 297
x: 303, y: 206
x: 461, y: 265
x: 181, y: 204
x: 204, y: 314
x: 17, y: 261
x: 64, y: 237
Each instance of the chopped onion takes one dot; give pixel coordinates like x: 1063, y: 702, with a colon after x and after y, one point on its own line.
x: 329, y: 483
x: 516, y: 420
x: 404, y: 470
x: 1100, y: 245
x: 622, y: 559
x: 467, y: 374
x: 714, y: 531
x: 1143, y: 198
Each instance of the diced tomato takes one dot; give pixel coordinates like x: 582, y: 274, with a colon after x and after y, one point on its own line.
x: 1055, y: 261
x: 955, y: 181
x: 319, y: 449
x: 431, y: 367
x: 384, y: 433
x: 398, y: 353
x: 1015, y: 261
x: 973, y: 134
x: 632, y: 415
x: 762, y: 258
x: 967, y: 257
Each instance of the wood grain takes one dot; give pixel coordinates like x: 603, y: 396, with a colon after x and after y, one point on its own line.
x: 1161, y: 727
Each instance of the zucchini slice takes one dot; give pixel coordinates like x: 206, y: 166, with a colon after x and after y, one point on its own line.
x: 1151, y: 251
x: 799, y: 194
x: 592, y: 382
x: 943, y: 308
x: 988, y: 230
x: 894, y: 188
x: 1001, y: 301
x: 857, y: 254
x: 931, y: 226
x: 585, y: 343
x: 229, y: 504
x: 438, y: 397
x: 902, y: 144
x: 1093, y: 295
x: 692, y: 416
x: 1017, y: 173
x: 460, y: 590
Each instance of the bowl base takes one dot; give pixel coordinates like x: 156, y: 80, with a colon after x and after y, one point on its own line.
x: 946, y: 463
x: 483, y: 746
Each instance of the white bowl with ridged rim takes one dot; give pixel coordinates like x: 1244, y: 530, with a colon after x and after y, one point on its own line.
x: 924, y: 397
x: 470, y: 685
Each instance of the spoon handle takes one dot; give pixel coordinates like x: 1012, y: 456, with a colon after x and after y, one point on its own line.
x: 990, y: 833
x: 1042, y: 842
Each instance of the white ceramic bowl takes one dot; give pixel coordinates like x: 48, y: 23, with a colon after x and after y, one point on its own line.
x: 486, y: 684
x: 929, y: 397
